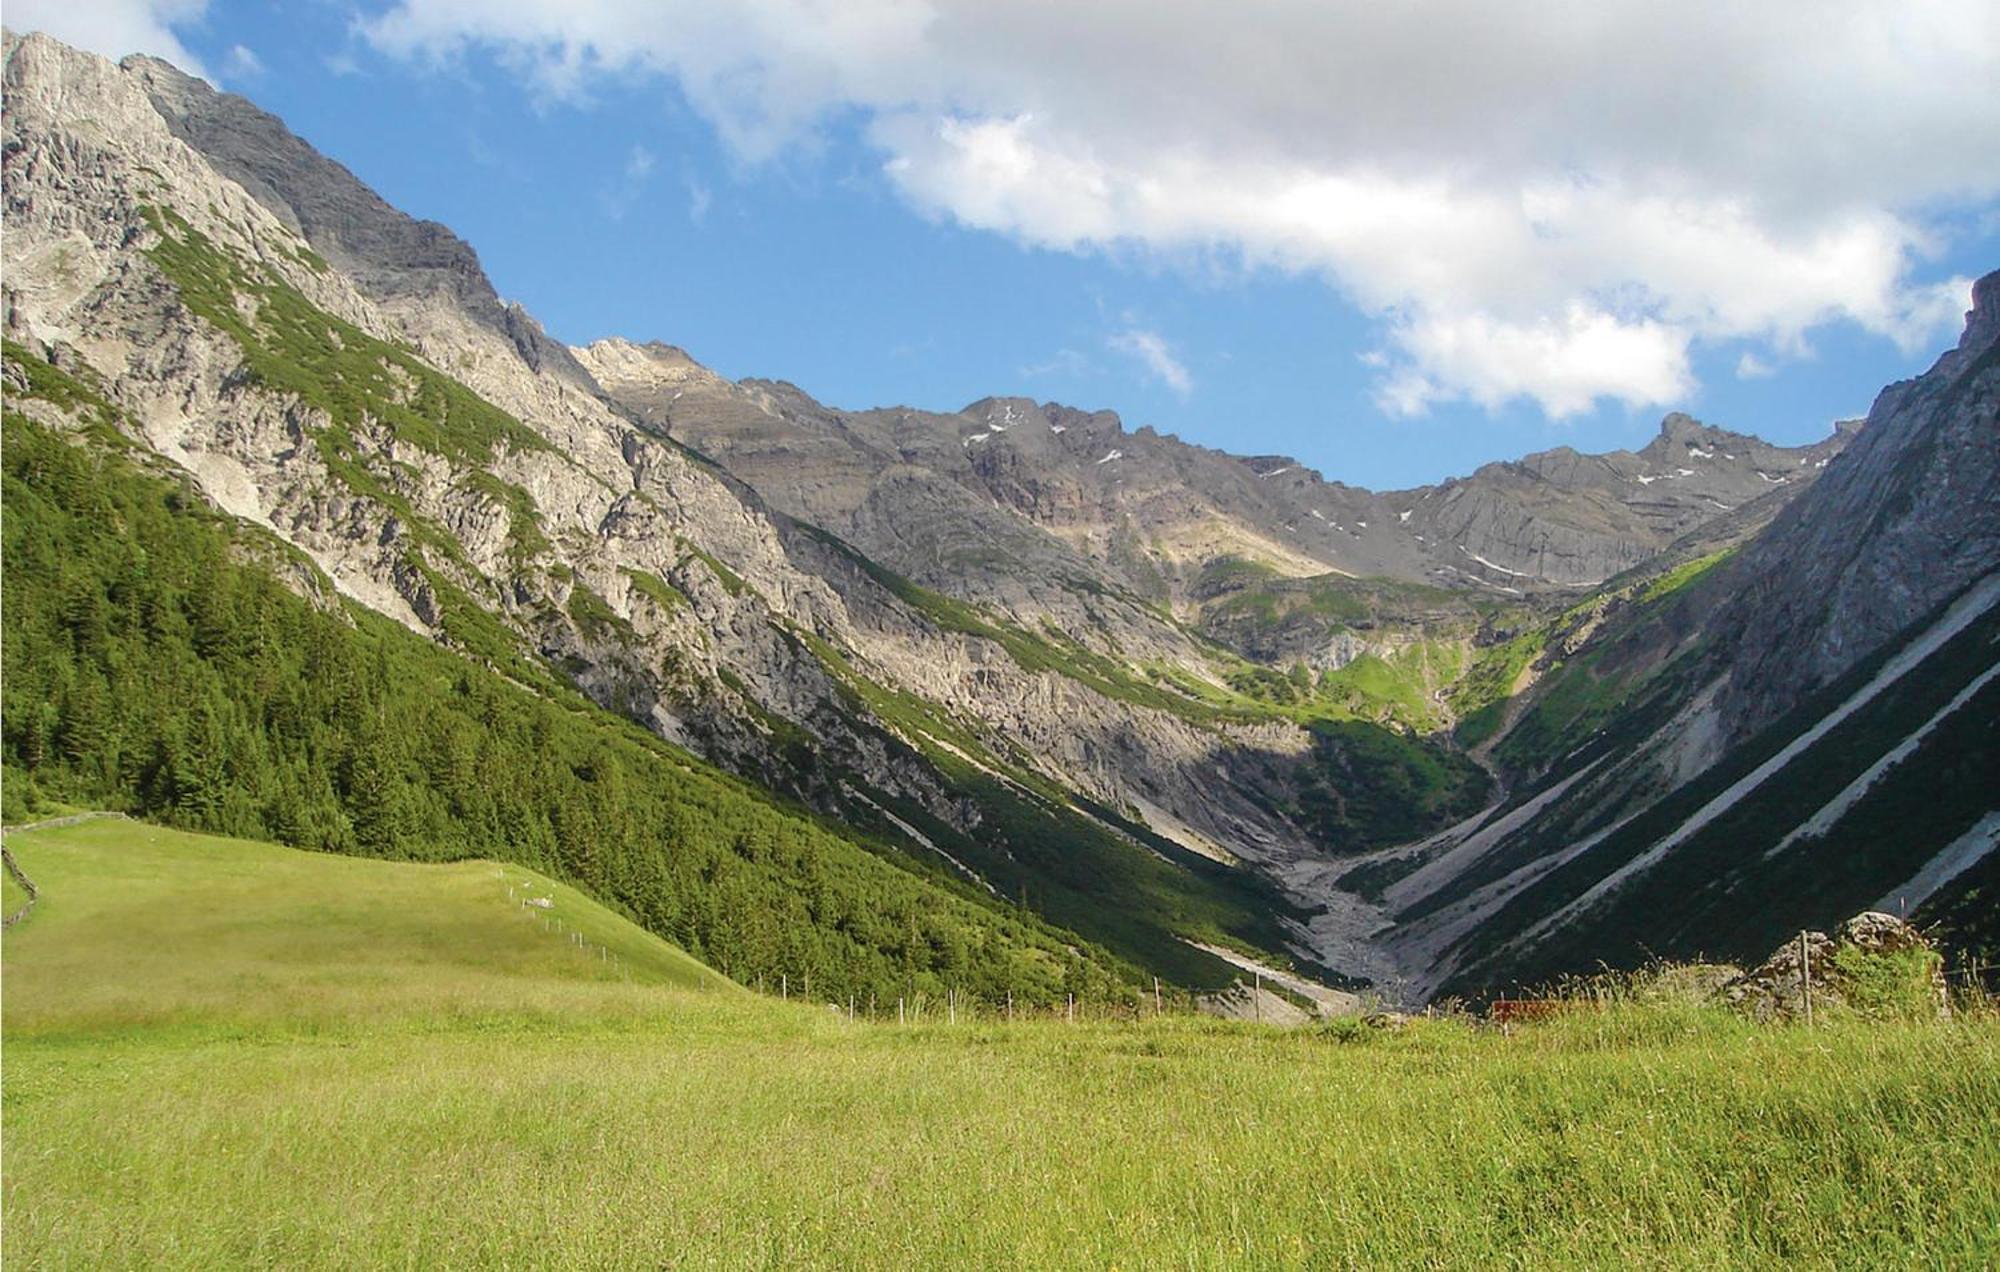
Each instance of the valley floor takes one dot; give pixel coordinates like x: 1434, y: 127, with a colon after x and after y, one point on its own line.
x: 226, y: 1054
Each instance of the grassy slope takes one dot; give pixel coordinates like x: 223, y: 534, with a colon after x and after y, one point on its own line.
x: 241, y: 708
x: 187, y: 1085
x: 140, y: 927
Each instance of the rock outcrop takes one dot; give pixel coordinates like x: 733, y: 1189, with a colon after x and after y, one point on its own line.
x: 1810, y: 969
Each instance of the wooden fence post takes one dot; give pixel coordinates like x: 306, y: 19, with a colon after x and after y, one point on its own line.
x: 1805, y: 975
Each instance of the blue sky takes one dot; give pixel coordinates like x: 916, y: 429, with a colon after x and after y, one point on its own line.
x: 829, y: 238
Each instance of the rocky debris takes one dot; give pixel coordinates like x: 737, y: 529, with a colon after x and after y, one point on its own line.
x: 1808, y: 964
x: 1243, y: 1002
x: 1880, y: 933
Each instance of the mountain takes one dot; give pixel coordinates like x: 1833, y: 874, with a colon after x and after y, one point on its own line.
x: 1808, y: 727
x: 1062, y: 682
x: 941, y: 496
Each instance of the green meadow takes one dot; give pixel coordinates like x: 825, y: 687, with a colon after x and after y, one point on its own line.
x: 227, y: 1054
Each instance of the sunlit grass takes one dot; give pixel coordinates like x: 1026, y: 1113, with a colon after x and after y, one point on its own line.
x: 481, y: 1093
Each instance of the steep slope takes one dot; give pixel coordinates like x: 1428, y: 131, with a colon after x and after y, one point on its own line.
x: 171, y: 662
x: 1806, y: 728
x: 350, y: 386
x: 1152, y: 693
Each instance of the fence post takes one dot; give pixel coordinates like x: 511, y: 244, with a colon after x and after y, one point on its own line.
x: 1072, y: 1008
x: 1805, y: 975
x: 1156, y: 995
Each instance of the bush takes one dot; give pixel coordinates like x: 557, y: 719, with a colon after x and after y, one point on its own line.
x: 1896, y: 985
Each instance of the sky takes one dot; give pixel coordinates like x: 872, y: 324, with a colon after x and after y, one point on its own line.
x: 1393, y: 241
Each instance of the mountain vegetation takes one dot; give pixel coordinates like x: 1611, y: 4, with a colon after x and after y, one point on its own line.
x: 174, y: 675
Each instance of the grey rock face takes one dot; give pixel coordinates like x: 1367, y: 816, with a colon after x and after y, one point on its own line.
x: 387, y: 253
x: 1145, y: 513
x: 1905, y: 520
x: 1057, y: 521
x: 726, y: 669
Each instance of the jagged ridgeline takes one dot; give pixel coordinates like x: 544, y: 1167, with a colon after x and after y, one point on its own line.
x: 1012, y: 687
x: 254, y: 322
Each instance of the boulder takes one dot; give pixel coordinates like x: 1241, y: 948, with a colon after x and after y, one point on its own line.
x: 1777, y: 988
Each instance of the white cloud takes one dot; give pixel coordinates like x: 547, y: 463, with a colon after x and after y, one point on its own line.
x: 1557, y: 209
x: 618, y: 198
x: 242, y: 63
x: 113, y: 28
x: 1153, y: 354
x: 1063, y: 361
x: 1752, y: 367
x: 700, y: 199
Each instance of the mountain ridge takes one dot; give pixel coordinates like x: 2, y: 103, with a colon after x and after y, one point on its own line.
x: 1132, y: 683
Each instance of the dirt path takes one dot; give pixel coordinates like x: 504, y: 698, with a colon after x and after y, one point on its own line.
x: 1331, y: 1002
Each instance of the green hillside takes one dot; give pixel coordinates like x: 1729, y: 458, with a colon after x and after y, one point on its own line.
x: 227, y: 1054
x: 144, y: 928
x: 156, y: 664
x: 167, y: 664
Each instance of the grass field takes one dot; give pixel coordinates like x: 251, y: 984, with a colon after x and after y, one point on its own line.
x: 228, y: 1054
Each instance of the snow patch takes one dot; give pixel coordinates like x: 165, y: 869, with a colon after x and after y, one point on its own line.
x: 976, y: 437
x: 1279, y: 472
x: 1404, y: 515
x: 1519, y: 574
x: 1117, y: 454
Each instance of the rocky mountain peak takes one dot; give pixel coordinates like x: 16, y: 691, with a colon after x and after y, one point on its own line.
x: 391, y: 256
x: 1982, y: 321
